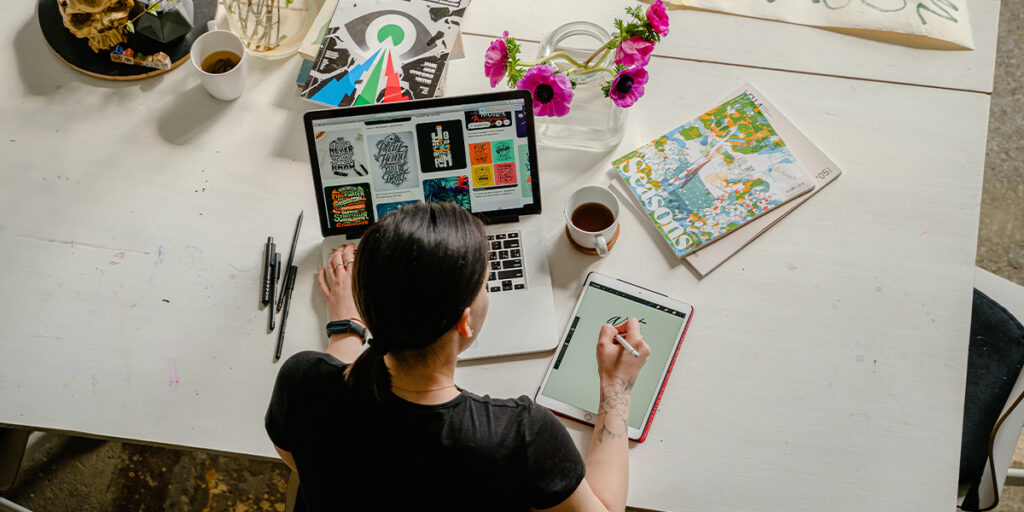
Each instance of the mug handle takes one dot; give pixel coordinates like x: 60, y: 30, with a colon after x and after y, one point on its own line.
x: 601, y: 245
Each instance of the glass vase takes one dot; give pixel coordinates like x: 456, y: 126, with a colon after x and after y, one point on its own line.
x: 593, y: 123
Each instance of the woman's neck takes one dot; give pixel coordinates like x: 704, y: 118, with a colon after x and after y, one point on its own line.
x: 428, y: 381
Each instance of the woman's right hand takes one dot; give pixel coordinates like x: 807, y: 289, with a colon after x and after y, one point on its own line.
x: 336, y: 283
x: 614, y: 360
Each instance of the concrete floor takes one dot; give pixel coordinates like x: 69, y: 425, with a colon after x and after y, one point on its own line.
x: 64, y: 473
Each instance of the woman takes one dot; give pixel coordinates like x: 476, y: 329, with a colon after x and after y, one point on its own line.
x: 387, y: 428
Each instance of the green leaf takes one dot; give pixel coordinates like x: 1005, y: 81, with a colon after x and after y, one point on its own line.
x: 282, y: 38
x: 130, y: 27
x: 287, y: 3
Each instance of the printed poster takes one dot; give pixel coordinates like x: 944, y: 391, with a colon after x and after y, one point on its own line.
x: 384, y: 51
x: 945, y: 22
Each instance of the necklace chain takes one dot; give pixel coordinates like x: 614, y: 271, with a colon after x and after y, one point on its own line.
x: 446, y: 386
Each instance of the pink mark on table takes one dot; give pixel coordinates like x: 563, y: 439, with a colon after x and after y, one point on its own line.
x: 174, y: 381
x: 925, y: 232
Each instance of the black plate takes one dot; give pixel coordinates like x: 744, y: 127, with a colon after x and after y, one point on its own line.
x: 76, y: 52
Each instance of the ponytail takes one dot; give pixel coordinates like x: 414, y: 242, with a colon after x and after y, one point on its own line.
x: 368, y: 375
x: 417, y: 269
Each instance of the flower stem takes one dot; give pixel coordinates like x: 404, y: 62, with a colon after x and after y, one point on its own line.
x: 603, y: 50
x: 552, y: 57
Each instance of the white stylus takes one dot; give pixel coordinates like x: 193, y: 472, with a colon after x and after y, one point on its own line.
x: 622, y: 341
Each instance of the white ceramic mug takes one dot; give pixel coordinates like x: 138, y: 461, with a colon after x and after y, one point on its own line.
x: 223, y: 86
x: 596, y: 240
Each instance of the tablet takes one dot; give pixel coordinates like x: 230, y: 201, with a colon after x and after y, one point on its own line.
x: 571, y: 385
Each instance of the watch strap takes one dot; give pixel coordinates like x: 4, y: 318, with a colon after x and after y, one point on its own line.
x: 345, y: 327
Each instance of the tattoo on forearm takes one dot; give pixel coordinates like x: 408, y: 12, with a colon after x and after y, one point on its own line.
x: 613, y: 411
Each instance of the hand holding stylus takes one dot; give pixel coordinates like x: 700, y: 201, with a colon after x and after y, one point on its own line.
x: 616, y: 359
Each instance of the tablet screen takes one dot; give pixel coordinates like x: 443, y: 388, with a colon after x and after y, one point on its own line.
x: 573, y: 379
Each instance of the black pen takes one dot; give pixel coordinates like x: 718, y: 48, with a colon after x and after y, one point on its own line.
x: 273, y: 283
x: 289, y: 284
x: 268, y: 262
x: 291, y: 258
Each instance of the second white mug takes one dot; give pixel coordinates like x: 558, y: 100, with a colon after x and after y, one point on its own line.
x: 226, y: 85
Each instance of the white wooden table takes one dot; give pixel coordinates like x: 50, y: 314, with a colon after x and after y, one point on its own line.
x: 825, y: 365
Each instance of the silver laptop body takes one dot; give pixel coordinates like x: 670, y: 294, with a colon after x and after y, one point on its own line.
x: 483, y: 146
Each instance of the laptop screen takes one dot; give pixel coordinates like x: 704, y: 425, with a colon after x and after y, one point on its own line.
x: 477, y: 151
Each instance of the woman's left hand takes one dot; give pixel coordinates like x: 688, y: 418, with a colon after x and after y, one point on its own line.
x: 336, y: 284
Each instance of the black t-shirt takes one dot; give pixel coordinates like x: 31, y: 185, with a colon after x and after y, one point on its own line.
x: 470, y: 453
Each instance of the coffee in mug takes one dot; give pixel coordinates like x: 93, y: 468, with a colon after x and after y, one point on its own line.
x: 219, y: 59
x: 592, y: 217
x: 220, y: 62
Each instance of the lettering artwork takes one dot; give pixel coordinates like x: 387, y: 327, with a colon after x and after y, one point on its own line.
x: 394, y: 165
x: 349, y: 205
x: 393, y: 158
x: 477, y: 120
x: 441, y: 146
x: 343, y: 159
x: 441, y: 143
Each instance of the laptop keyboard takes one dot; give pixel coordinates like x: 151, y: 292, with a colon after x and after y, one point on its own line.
x: 505, y: 257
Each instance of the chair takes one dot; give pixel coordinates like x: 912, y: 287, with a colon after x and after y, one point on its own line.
x: 1011, y: 418
x: 12, y: 449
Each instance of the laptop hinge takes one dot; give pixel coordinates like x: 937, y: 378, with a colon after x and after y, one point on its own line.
x: 491, y: 219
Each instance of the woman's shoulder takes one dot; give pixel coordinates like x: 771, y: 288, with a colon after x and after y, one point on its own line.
x: 311, y: 367
x: 522, y: 407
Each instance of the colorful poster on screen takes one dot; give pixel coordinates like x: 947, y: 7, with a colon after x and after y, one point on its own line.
x: 349, y: 205
x: 453, y: 190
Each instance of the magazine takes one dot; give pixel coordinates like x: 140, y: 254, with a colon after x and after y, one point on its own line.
x: 379, y: 51
x: 821, y: 168
x: 714, y: 174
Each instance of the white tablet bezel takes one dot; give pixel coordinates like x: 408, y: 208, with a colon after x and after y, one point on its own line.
x: 588, y: 417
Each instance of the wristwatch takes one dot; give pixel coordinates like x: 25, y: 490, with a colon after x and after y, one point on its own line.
x: 345, y: 327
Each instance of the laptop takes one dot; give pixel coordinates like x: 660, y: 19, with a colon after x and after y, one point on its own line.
x: 478, y: 151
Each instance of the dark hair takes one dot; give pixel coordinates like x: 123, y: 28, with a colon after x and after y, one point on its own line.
x: 416, y: 270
